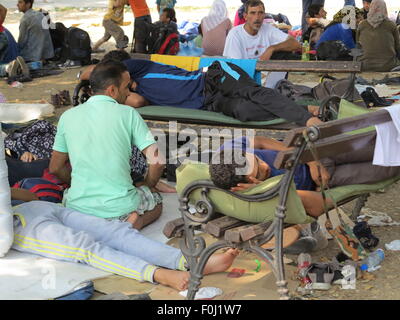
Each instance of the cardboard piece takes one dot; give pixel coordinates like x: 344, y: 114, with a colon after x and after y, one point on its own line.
x: 250, y: 286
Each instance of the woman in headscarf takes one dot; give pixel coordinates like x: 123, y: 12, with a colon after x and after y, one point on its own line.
x: 379, y: 40
x: 215, y: 28
x: 342, y: 26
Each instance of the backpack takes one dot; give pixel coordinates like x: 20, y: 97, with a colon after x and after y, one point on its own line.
x: 336, y: 87
x: 57, y: 35
x: 76, y: 46
x: 163, y: 39
x: 333, y: 50
x: 44, y: 189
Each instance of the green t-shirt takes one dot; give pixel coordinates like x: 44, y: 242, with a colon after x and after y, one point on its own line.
x: 98, y: 137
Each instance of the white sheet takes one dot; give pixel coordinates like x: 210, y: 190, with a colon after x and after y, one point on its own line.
x: 30, y: 277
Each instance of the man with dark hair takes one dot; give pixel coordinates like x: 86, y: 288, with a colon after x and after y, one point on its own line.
x: 222, y: 87
x: 97, y: 138
x: 34, y: 39
x: 258, y: 40
x: 248, y: 162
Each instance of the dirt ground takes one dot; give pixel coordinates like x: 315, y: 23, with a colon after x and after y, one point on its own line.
x: 386, y: 284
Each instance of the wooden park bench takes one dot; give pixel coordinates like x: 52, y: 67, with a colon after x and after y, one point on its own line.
x: 249, y: 219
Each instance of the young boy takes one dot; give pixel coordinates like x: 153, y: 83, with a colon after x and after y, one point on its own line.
x: 112, y: 21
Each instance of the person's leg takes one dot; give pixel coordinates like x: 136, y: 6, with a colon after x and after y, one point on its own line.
x: 313, y: 202
x: 349, y: 3
x: 105, y: 38
x: 140, y: 33
x: 117, y: 33
x: 43, y: 232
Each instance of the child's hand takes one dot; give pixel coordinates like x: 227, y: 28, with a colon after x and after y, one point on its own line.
x: 28, y: 157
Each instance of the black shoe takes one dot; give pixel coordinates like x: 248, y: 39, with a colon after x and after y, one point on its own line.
x: 378, y: 101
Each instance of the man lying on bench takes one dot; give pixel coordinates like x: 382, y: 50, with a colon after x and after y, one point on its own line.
x: 258, y: 156
x: 222, y: 87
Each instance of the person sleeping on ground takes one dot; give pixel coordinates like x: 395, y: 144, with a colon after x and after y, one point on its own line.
x: 258, y: 155
x: 222, y: 87
x: 111, y: 246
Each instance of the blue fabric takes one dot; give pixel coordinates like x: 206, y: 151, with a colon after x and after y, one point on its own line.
x: 84, y: 293
x: 339, y: 31
x: 12, y: 50
x: 248, y: 65
x: 156, y: 82
x: 302, y: 176
x: 350, y: 3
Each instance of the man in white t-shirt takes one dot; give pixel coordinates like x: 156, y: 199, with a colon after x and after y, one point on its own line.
x: 258, y: 40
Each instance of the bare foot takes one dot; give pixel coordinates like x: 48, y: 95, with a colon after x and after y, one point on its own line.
x: 164, y: 187
x: 136, y: 221
x: 220, y: 262
x: 178, y: 280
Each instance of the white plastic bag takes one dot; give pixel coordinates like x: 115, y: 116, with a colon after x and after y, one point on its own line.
x: 6, y: 218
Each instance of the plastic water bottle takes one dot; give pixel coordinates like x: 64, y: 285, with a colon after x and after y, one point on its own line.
x: 373, y: 261
x: 305, y: 56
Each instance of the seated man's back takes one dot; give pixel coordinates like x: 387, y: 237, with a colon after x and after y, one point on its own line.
x: 34, y: 36
x: 98, y: 137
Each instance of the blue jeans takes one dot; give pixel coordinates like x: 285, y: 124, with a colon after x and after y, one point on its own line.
x: 306, y: 4
x: 350, y: 3
x: 55, y: 232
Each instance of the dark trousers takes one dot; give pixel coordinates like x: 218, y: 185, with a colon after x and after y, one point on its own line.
x: 356, y: 167
x: 246, y: 100
x: 140, y: 33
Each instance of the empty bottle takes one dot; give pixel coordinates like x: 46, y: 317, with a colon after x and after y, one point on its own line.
x: 305, y: 56
x: 373, y: 261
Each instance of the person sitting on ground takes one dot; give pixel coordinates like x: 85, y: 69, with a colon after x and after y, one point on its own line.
x: 15, y: 68
x: 316, y: 21
x: 110, y: 246
x: 112, y: 22
x: 379, y: 40
x: 262, y: 41
x: 163, y: 4
x: 168, y: 19
x: 98, y: 188
x: 34, y: 41
x: 214, y: 28
x: 341, y: 29
x: 365, y: 9
x: 239, y: 96
x: 259, y: 154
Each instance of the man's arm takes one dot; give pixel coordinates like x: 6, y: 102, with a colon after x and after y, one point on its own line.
x: 261, y: 142
x: 136, y: 100
x: 23, y: 32
x: 291, y: 44
x: 58, y: 166
x: 156, y: 162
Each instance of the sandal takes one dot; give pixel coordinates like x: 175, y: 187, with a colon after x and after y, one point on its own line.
x: 321, y: 276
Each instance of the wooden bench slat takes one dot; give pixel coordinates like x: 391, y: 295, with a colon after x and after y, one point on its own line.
x: 217, y: 227
x: 340, y: 126
x: 327, y: 148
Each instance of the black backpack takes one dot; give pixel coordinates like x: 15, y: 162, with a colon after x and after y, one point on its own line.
x: 163, y: 39
x: 333, y: 50
x: 58, y: 38
x: 77, y: 45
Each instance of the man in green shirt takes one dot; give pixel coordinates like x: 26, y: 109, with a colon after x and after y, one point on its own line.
x: 97, y: 138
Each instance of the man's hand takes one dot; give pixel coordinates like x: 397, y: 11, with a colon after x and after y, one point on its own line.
x: 315, y: 173
x: 28, y: 157
x: 267, y: 54
x: 313, y: 121
x: 244, y: 186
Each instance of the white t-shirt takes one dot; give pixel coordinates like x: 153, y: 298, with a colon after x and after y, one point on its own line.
x: 241, y: 45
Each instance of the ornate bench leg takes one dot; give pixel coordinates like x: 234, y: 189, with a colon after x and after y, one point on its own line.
x: 197, y: 260
x: 358, y: 206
